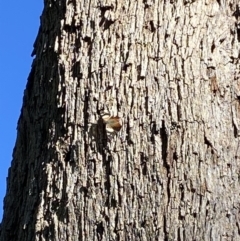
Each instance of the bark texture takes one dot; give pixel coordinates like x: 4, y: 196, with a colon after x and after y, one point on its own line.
x: 170, y: 70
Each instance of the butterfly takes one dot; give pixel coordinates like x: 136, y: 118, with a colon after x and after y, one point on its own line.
x: 113, y: 123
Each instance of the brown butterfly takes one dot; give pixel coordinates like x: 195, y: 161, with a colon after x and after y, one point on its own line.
x: 113, y: 123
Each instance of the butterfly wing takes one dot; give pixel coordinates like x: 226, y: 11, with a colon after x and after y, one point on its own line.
x: 114, y: 124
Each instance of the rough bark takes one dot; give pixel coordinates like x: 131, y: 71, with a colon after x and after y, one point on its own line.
x: 170, y: 70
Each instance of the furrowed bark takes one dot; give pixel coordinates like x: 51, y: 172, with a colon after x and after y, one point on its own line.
x: 170, y: 71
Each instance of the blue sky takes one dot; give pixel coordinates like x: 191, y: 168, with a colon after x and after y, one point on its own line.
x: 19, y: 23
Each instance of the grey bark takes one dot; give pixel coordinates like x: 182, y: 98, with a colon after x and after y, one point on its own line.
x: 170, y: 70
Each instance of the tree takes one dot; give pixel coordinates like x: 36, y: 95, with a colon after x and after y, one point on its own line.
x: 170, y: 71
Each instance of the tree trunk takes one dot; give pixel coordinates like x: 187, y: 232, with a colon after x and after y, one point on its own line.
x: 170, y: 71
